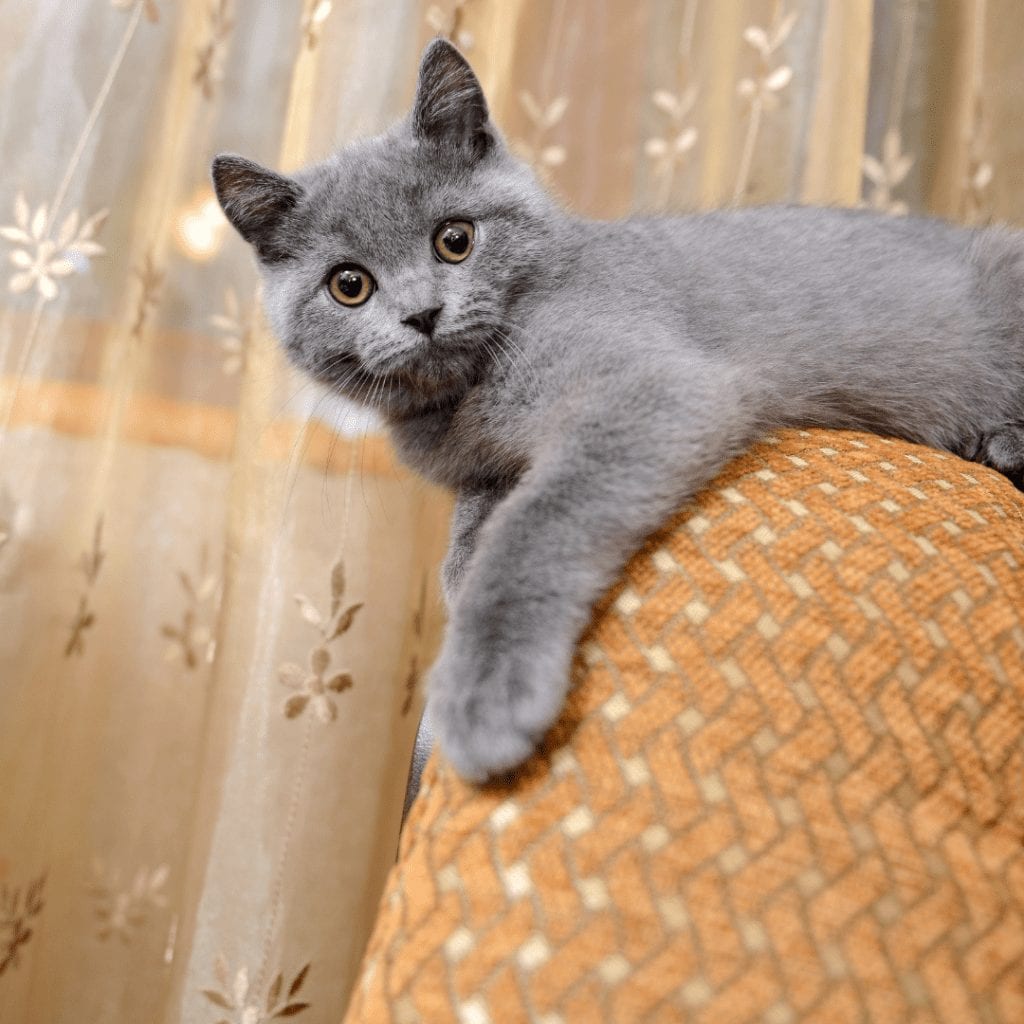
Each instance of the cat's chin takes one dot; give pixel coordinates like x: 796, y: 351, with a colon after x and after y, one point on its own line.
x: 402, y: 395
x: 433, y: 371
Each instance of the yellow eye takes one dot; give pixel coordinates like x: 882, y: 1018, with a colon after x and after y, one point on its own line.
x: 454, y: 240
x: 350, y: 285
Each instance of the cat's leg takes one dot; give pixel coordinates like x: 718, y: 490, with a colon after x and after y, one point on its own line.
x: 1003, y: 449
x: 543, y: 558
x: 471, y: 509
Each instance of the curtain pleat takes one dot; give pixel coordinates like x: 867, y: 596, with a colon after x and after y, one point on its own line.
x: 218, y: 589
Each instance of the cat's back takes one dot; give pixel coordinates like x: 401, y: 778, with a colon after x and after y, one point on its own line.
x: 781, y: 273
x: 775, y: 254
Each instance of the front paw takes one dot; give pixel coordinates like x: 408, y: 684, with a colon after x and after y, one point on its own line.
x: 490, y: 704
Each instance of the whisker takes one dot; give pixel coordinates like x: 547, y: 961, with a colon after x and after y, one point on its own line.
x: 387, y: 395
x: 523, y: 363
x: 362, y: 445
x: 325, y: 499
x: 294, y: 465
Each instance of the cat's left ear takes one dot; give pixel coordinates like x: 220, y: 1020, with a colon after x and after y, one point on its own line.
x: 450, y: 109
x: 255, y: 200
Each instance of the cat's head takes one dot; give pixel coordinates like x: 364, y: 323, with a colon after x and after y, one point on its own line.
x: 392, y: 271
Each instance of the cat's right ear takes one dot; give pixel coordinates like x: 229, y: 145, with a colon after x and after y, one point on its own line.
x: 255, y: 200
x: 450, y: 109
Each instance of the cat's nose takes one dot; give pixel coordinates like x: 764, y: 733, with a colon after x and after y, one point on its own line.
x: 424, y: 321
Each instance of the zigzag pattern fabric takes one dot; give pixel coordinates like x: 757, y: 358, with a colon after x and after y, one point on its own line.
x: 788, y: 787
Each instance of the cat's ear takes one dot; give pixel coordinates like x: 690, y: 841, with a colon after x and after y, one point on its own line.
x: 255, y: 200
x: 450, y: 108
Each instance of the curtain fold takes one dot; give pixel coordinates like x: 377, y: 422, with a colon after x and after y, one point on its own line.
x: 218, y: 589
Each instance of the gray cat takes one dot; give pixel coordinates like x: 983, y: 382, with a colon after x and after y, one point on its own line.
x: 577, y: 382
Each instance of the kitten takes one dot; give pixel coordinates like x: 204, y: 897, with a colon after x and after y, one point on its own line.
x: 575, y: 382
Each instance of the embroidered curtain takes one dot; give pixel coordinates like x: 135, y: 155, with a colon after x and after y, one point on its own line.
x: 217, y: 589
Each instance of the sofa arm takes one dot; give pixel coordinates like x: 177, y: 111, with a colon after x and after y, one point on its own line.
x: 788, y: 785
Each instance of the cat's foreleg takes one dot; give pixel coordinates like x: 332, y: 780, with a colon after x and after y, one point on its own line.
x: 543, y: 558
x: 471, y: 509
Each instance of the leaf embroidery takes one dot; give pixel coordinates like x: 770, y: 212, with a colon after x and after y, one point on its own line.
x: 192, y: 639
x: 413, y: 676
x: 235, y: 995
x: 314, y: 687
x: 761, y: 91
x: 886, y: 174
x: 210, y: 56
x: 543, y: 118
x: 18, y: 908
x: 89, y: 564
x: 668, y: 149
x: 151, y: 278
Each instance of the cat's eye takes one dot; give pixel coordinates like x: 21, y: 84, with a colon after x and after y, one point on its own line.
x: 350, y: 285
x: 453, y: 241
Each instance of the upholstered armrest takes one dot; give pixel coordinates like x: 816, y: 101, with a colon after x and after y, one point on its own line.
x: 788, y: 786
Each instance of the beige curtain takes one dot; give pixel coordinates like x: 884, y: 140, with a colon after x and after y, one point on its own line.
x: 217, y: 588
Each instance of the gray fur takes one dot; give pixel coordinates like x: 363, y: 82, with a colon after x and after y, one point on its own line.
x: 586, y: 379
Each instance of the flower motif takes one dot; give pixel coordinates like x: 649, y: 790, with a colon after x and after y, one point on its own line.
x: 234, y: 331
x: 680, y: 138
x: 886, y: 174
x: 313, y: 687
x: 236, y: 995
x: 543, y: 119
x: 120, y: 911
x: 450, y: 25
x: 42, y: 260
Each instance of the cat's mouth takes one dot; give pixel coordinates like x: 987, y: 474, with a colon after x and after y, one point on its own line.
x: 439, y: 368
x: 429, y: 372
x: 440, y: 360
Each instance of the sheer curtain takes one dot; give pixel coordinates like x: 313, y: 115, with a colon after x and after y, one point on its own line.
x: 217, y: 588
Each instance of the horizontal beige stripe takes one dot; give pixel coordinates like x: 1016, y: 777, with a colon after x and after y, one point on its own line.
x: 80, y: 409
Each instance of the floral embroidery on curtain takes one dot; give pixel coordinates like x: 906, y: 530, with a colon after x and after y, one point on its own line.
x: 20, y: 906
x: 235, y: 995
x: 121, y: 910
x: 314, y: 685
x: 89, y: 564
x: 186, y: 737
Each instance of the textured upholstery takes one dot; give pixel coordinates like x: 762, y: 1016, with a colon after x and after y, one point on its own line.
x: 788, y: 787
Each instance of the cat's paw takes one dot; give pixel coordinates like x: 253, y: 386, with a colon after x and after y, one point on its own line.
x: 490, y: 707
x: 1003, y: 449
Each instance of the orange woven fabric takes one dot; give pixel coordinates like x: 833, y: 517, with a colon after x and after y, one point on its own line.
x: 788, y: 787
